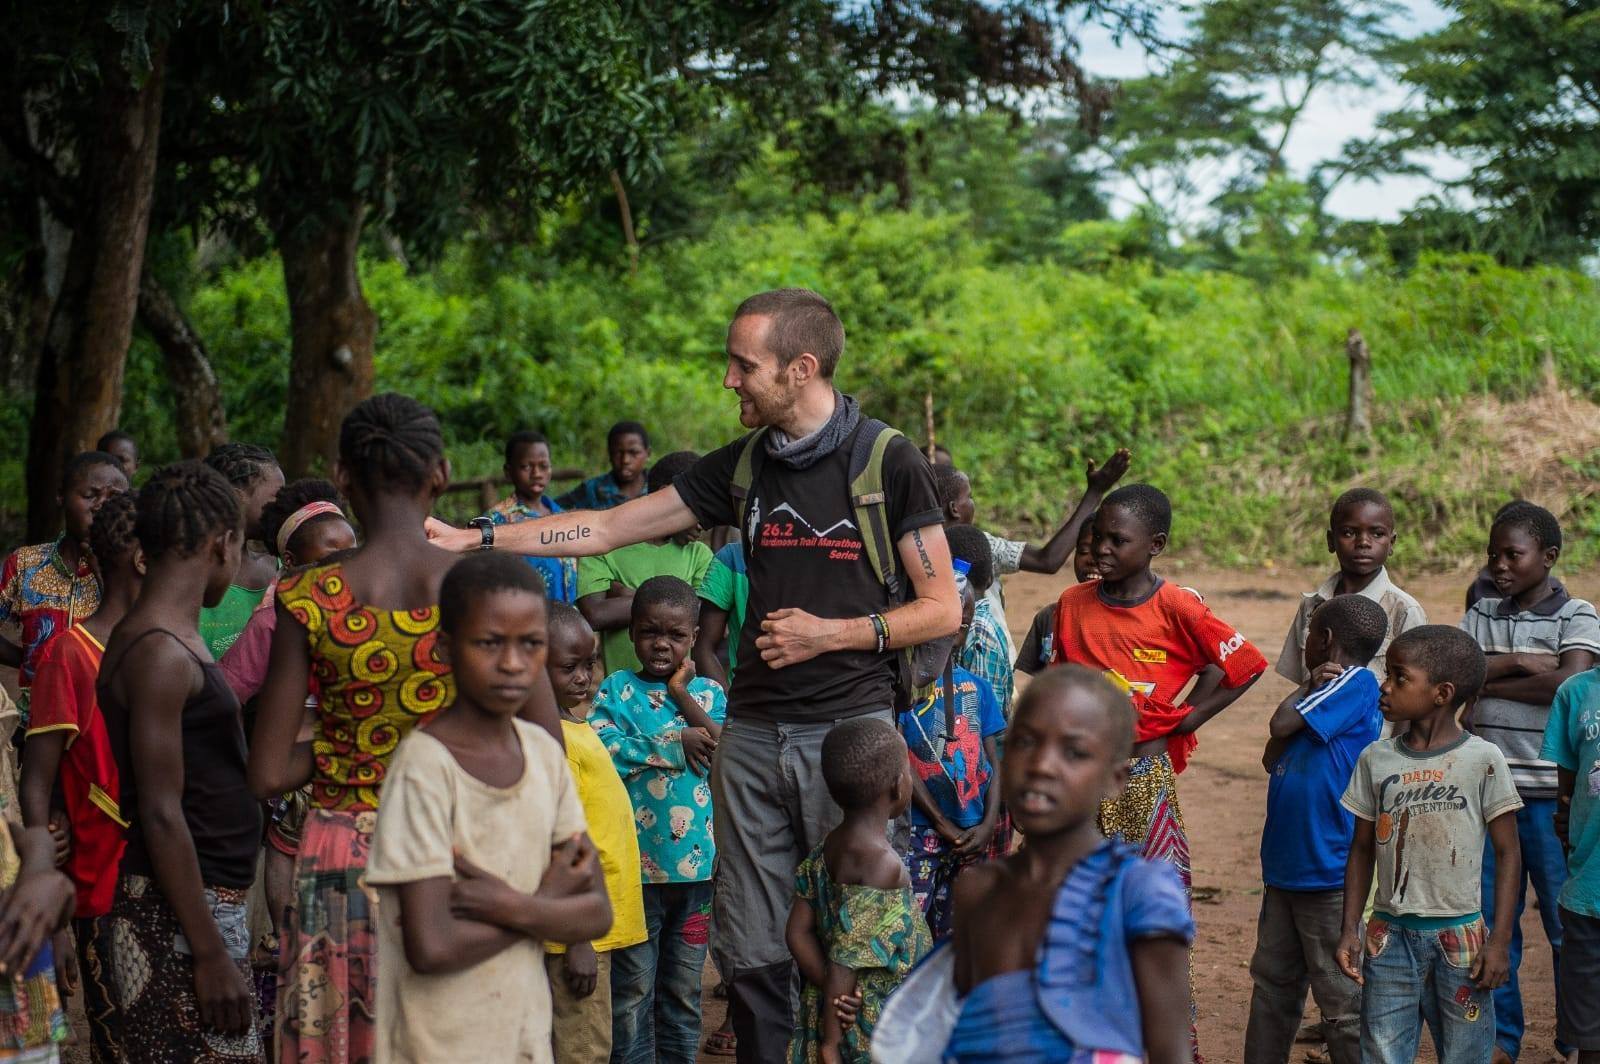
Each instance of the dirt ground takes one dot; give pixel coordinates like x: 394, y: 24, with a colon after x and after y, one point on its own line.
x: 1224, y: 799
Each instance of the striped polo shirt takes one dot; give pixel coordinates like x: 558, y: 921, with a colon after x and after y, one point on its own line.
x: 1557, y: 624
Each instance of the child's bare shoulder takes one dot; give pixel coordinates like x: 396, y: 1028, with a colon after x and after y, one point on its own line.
x: 872, y: 864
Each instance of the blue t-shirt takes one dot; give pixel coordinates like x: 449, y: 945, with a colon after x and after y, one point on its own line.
x: 948, y: 755
x: 1307, y: 835
x: 1572, y: 741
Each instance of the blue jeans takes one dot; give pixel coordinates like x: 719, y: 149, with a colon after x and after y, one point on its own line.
x: 1417, y: 976
x: 1545, y: 866
x: 655, y: 986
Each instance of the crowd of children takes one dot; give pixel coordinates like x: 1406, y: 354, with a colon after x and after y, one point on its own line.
x: 294, y: 792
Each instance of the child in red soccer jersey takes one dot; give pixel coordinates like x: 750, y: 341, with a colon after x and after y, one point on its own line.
x: 1152, y: 637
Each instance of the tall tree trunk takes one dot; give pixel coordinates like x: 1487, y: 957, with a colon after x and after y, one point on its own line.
x: 331, y: 330
x: 197, y: 398
x: 80, y: 372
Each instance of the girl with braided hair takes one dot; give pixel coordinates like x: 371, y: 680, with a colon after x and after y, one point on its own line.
x: 256, y: 479
x: 365, y: 625
x: 179, y: 964
x: 69, y: 753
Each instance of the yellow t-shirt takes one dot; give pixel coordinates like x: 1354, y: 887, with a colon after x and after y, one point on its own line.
x: 610, y: 815
x: 498, y: 1009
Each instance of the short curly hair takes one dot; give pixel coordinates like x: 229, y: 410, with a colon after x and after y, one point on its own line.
x: 969, y: 544
x: 1358, y: 624
x: 1447, y: 655
x: 1533, y: 519
x: 1049, y: 687
x: 1149, y: 506
x: 477, y: 575
x: 861, y: 759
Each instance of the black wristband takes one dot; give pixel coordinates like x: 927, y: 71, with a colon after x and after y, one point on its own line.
x: 485, y: 527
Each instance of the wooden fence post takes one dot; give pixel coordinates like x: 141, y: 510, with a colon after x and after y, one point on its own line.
x: 1358, y: 415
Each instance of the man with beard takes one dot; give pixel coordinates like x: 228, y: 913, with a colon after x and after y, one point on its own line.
x: 820, y: 629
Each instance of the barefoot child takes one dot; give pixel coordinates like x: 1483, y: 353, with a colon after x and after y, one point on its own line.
x: 1317, y: 733
x: 1074, y: 948
x: 855, y: 927
x: 179, y: 953
x: 69, y: 753
x: 580, y: 974
x: 1423, y: 801
x: 660, y: 726
x: 480, y: 854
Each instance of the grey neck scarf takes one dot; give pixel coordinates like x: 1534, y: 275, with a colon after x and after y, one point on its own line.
x: 809, y: 450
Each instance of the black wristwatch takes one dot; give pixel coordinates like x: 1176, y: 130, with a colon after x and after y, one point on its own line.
x: 485, y: 527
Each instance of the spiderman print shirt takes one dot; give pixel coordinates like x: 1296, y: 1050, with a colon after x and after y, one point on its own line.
x: 947, y: 749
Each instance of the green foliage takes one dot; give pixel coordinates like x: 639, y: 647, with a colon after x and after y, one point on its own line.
x: 1229, y: 390
x: 1513, y: 87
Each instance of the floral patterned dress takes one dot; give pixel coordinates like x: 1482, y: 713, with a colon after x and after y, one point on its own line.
x: 881, y: 934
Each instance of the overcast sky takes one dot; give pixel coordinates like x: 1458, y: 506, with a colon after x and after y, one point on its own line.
x: 1333, y: 117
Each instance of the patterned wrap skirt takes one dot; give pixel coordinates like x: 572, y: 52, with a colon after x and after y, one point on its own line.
x: 327, y: 982
x: 1146, y: 815
x: 152, y: 977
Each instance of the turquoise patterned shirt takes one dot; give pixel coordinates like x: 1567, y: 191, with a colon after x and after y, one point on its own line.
x: 641, y: 728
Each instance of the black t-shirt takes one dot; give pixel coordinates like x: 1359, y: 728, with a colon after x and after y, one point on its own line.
x: 803, y: 551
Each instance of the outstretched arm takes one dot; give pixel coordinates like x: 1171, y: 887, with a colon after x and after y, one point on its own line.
x: 1054, y: 554
x: 578, y: 533
x: 790, y: 636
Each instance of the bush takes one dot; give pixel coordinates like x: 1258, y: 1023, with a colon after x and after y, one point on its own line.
x: 1228, y: 389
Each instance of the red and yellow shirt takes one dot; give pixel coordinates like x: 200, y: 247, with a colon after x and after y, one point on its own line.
x: 64, y: 700
x: 1155, y: 646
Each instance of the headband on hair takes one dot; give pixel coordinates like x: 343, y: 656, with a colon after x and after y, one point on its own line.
x: 296, y: 520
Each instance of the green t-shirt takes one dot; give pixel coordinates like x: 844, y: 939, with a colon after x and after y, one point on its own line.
x: 727, y: 587
x: 1572, y: 741
x: 221, y: 624
x: 631, y: 566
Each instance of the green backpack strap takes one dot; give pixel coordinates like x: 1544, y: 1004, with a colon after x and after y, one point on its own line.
x: 743, y: 477
x: 868, y: 501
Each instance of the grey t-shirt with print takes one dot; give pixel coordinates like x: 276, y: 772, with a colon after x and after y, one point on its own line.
x: 1430, y: 813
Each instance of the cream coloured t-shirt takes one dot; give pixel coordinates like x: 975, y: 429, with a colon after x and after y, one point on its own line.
x: 498, y: 1010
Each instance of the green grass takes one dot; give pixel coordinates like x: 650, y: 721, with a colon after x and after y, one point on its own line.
x: 1229, y: 391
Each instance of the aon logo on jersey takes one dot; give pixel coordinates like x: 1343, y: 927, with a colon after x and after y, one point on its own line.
x: 1228, y: 646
